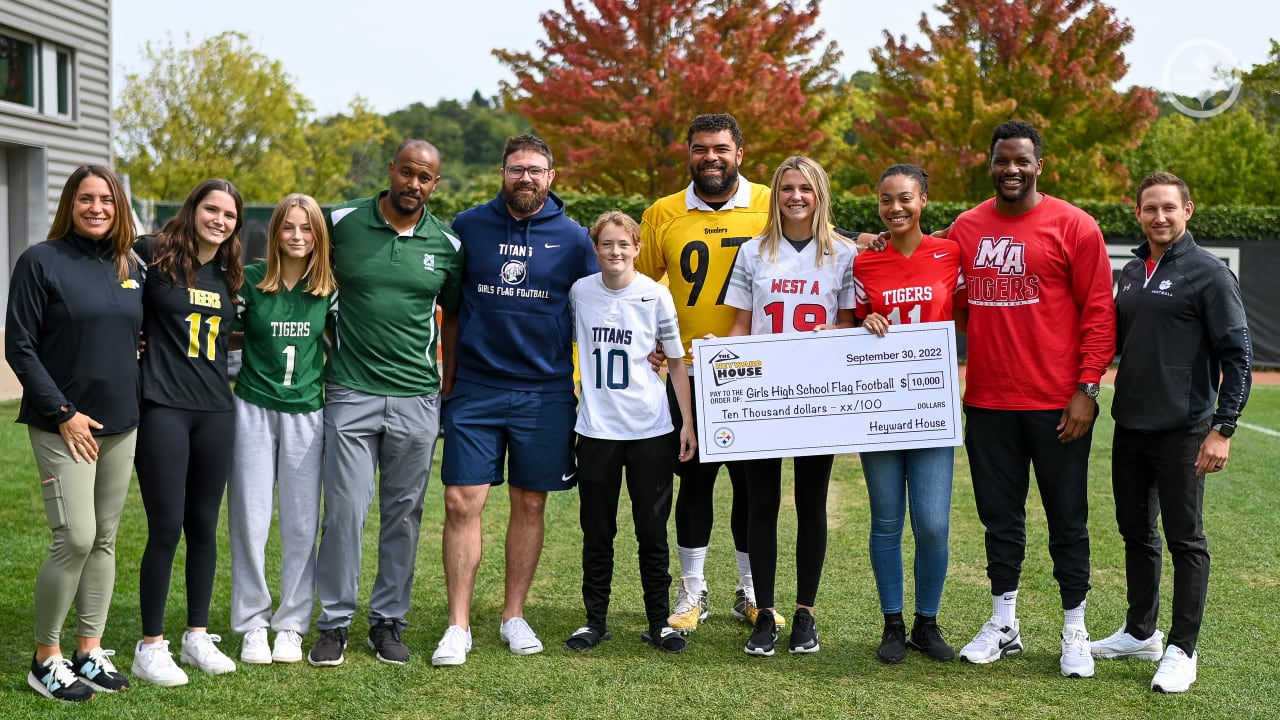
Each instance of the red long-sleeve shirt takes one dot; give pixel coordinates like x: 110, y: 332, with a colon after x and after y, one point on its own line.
x: 1041, y: 316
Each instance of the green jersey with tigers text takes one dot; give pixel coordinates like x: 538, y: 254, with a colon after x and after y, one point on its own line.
x: 283, y: 367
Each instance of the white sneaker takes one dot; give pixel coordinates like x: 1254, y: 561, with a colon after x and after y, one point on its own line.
x: 518, y: 636
x: 199, y: 651
x: 1177, y: 671
x: 1076, y: 662
x: 453, y: 647
x: 993, y: 642
x: 288, y: 647
x: 1121, y: 644
x: 254, y: 648
x: 154, y: 664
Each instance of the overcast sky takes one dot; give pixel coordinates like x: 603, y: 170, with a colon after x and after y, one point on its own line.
x: 395, y: 52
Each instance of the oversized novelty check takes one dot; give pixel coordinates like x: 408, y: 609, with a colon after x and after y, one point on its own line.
x: 837, y: 391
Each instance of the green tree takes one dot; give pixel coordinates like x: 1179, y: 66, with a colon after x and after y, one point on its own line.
x: 217, y: 109
x: 470, y: 138
x: 1228, y: 159
x: 615, y: 83
x: 1050, y: 62
x: 343, y: 149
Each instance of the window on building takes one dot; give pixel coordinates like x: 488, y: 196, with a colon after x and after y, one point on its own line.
x: 17, y: 70
x: 36, y: 74
x: 63, y: 82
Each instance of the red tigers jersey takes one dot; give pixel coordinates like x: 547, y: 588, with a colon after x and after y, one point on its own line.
x: 916, y: 289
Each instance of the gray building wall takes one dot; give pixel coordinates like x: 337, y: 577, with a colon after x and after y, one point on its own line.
x: 39, y: 148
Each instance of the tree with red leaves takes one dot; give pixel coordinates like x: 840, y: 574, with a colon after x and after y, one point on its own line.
x: 614, y: 85
x: 1052, y: 63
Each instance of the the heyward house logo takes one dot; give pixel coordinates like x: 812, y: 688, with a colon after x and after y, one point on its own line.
x: 728, y: 366
x: 1202, y: 78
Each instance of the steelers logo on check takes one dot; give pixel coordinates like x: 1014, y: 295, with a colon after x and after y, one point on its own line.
x: 723, y: 437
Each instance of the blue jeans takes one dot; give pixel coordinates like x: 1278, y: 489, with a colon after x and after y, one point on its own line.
x: 924, y: 477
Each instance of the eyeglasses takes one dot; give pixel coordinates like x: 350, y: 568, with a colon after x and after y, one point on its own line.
x: 515, y: 172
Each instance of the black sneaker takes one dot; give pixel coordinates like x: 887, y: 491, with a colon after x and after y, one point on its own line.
x: 97, y: 671
x: 764, y: 635
x: 893, y: 643
x: 384, y: 638
x: 804, y: 633
x: 586, y: 638
x: 53, y: 679
x: 328, y: 649
x: 666, y: 639
x: 927, y: 638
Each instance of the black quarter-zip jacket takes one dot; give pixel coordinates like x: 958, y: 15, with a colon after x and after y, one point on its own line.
x: 71, y: 335
x: 1176, y: 333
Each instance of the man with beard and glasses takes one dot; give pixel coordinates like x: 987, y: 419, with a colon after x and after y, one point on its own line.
x: 692, y: 237
x: 1041, y: 334
x: 394, y: 263
x: 508, y: 384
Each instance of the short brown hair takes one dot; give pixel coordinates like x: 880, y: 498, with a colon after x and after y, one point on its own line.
x: 618, y: 218
x: 1164, y: 178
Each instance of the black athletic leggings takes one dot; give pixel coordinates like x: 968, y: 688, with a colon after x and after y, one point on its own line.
x: 764, y: 494
x: 695, y: 503
x: 182, y: 460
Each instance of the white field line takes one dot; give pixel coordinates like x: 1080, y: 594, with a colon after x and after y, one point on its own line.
x: 1251, y: 426
x: 1259, y: 428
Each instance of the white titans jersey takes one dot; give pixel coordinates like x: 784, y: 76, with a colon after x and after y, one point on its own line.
x: 622, y: 398
x: 792, y: 294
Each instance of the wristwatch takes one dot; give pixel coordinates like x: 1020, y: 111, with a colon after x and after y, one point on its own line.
x: 1090, y: 389
x: 1224, y: 429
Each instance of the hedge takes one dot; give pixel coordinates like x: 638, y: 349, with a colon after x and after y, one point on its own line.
x: 861, y: 213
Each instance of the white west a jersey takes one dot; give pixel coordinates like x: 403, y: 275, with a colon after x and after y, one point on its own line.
x: 622, y: 398
x: 793, y: 293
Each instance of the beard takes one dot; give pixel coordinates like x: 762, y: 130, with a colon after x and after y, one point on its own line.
x: 525, y: 203
x: 1014, y: 196
x: 714, y: 187
x: 407, y: 205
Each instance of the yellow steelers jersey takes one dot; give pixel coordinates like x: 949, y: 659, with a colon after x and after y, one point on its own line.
x: 695, y: 247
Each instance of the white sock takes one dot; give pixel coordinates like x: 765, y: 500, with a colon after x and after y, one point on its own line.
x: 692, y: 561
x: 1005, y: 608
x: 1075, y: 615
x: 744, y: 571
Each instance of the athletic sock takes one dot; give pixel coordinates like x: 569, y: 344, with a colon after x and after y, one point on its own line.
x: 1075, y: 615
x: 692, y: 561
x: 1005, y: 608
x: 744, y: 571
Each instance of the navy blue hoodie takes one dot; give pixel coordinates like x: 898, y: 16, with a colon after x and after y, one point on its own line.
x: 514, y: 328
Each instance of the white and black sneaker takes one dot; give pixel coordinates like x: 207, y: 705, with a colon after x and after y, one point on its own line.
x: 54, y: 679
x: 328, y: 649
x: 764, y: 635
x: 96, y: 670
x: 993, y: 642
x: 804, y: 633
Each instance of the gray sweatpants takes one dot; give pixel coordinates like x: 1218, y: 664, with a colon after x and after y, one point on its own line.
x: 364, y: 433
x: 275, y: 452
x: 83, y: 502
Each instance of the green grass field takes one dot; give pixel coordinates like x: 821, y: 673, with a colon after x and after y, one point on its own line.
x: 1239, y: 677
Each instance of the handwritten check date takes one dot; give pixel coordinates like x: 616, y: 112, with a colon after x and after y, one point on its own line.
x: 818, y: 393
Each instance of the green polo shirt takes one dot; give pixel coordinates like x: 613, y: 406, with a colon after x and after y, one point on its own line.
x: 388, y: 288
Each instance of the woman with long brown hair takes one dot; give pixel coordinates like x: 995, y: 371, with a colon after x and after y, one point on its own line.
x: 71, y: 337
x: 187, y: 426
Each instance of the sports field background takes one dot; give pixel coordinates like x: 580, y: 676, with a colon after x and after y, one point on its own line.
x: 1239, y: 673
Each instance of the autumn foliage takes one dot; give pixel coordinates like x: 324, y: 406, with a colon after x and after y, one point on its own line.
x: 1050, y: 62
x: 615, y: 83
